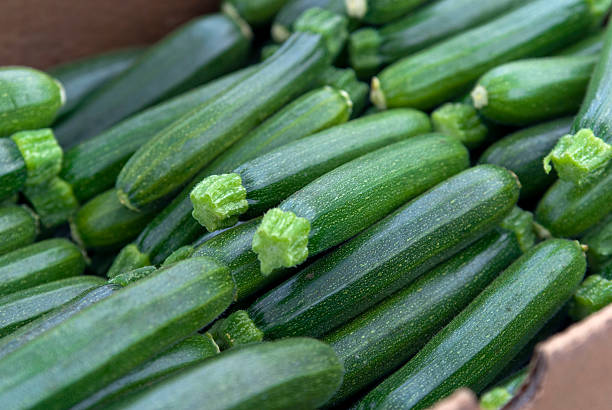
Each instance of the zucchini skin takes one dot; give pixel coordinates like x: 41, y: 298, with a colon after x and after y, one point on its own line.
x: 29, y: 99
x: 18, y: 227
x: 290, y: 12
x: 83, y: 76
x: 13, y: 171
x: 383, y: 338
x: 198, y: 51
x: 20, y: 308
x: 381, y: 11
x: 39, y: 263
x: 589, y: 46
x: 190, y: 351
x: 498, y: 323
x: 523, y: 152
x: 568, y: 210
x: 444, y: 70
x: 53, y: 318
x: 531, y: 91
x: 175, y: 155
x: 273, y: 375
x: 116, y: 335
x: 255, y: 12
x: 365, y: 270
x: 92, y: 166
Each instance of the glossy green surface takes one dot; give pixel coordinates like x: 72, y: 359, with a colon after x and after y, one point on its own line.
x: 18, y: 228
x: 13, y: 171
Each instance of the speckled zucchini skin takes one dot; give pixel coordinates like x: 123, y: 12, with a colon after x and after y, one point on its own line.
x: 380, y: 340
x: 388, y: 255
x: 497, y: 324
x: 274, y: 375
x: 13, y: 171
x: 115, y: 335
x: 198, y: 51
x: 18, y: 227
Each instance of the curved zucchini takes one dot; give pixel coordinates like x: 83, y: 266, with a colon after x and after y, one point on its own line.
x: 446, y: 69
x: 198, y: 51
x: 18, y: 228
x: 39, y: 263
x: 116, y: 335
x: 29, y: 99
x: 277, y: 376
x: 54, y: 201
x: 20, y: 308
x: 284, y: 20
x: 380, y: 11
x: 523, y: 152
x: 599, y: 243
x: 382, y: 339
x: 334, y: 208
x: 497, y: 323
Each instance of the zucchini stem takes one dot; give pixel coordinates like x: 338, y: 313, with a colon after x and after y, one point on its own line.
x: 376, y: 94
x: 279, y: 33
x: 356, y: 8
x: 129, y: 258
x: 460, y: 121
x: 480, y: 97
x: 594, y: 294
x: 236, y: 329
x: 41, y: 153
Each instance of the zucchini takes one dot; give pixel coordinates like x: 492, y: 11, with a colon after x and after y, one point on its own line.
x: 29, y: 99
x: 346, y: 80
x: 497, y: 397
x: 265, y: 181
x: 286, y: 17
x: 39, y: 263
x: 109, y: 339
x: 589, y: 46
x: 568, y: 210
x: 587, y: 149
x: 190, y: 351
x: 273, y: 375
x: 497, y: 324
x: 371, y: 48
x: 387, y: 256
x: 426, y: 79
x: 196, y: 52
x: 128, y: 277
x: 92, y: 166
x: 53, y: 318
x: 22, y: 307
x: 54, y: 201
x: 381, y: 339
x: 18, y: 228
x: 599, y: 243
x: 523, y: 152
x: 521, y: 223
x: 380, y: 11
x: 460, y: 121
x: 176, y: 154
x: 594, y: 294
x: 255, y: 12
x: 13, y: 171
x: 531, y: 91
x: 83, y: 76
x: 333, y: 208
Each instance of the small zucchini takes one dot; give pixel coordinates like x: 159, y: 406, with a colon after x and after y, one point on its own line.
x: 29, y: 99
x: 18, y: 227
x: 380, y: 11
x: 594, y: 294
x: 497, y: 324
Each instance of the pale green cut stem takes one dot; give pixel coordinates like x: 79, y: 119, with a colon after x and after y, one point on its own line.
x: 480, y: 97
x: 218, y: 201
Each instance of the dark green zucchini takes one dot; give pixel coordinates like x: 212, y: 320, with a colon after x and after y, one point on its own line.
x: 523, y: 152
x: 382, y: 339
x: 274, y: 375
x: 20, y: 308
x: 104, y: 342
x: 497, y: 324
x: 53, y: 201
x: 18, y: 228
x: 255, y: 12
x: 497, y: 397
x: 380, y: 11
x: 293, y: 9
x: 81, y: 77
x: 599, y: 243
x: 594, y: 294
x: 589, y: 46
x: 334, y: 208
x: 29, y: 99
x: 198, y: 51
x: 175, y: 155
x: 39, y: 263
x: 446, y: 69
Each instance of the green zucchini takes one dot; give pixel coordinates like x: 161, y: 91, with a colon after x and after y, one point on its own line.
x: 460, y: 121
x: 599, y: 243
x: 29, y: 99
x: 53, y: 318
x: 383, y: 338
x: 106, y: 341
x: 371, y: 48
x: 198, y: 51
x: 594, y: 294
x: 265, y: 181
x: 523, y: 152
x: 255, y: 12
x: 587, y: 149
x: 39, y: 263
x: 334, y: 208
x: 380, y: 11
x: 387, y: 256
x: 283, y: 21
x: 521, y: 223
x: 531, y: 91
x: 92, y: 166
x: 83, y: 76
x: 497, y: 397
x: 128, y: 277
x: 273, y: 375
x: 446, y: 69
x: 20, y: 308
x: 18, y: 228
x: 346, y: 80
x: 497, y: 324
x: 588, y: 46
x: 568, y: 209
x: 54, y: 201
x: 190, y: 351
x: 13, y: 171
x: 176, y: 154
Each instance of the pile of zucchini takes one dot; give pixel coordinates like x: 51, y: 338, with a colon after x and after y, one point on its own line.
x: 376, y: 204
